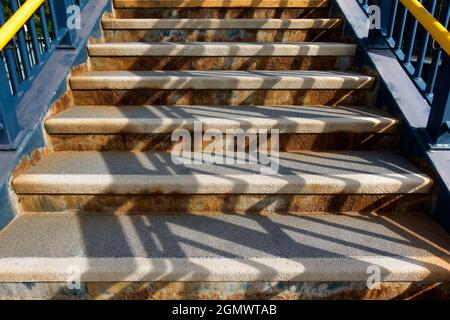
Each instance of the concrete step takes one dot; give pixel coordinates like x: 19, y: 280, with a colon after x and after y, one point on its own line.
x: 221, y: 49
x: 134, y: 56
x: 222, y: 88
x: 221, y: 24
x: 221, y: 30
x: 305, y: 182
x: 166, y: 119
x: 149, y: 128
x: 219, y: 4
x: 303, y: 173
x: 340, y: 252
x: 222, y: 12
x: 210, y: 80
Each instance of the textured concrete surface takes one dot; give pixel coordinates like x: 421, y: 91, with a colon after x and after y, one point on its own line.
x: 224, y: 248
x: 220, y: 290
x: 219, y: 3
x: 288, y: 142
x: 274, y: 63
x: 149, y: 172
x: 222, y: 35
x: 166, y: 119
x: 216, y: 49
x: 221, y: 13
x: 222, y: 79
x: 260, y: 24
x: 206, y: 204
x: 228, y: 97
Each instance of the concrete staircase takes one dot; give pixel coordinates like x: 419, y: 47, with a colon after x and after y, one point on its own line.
x: 110, y: 200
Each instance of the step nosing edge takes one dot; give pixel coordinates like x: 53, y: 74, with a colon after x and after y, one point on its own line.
x: 352, y: 268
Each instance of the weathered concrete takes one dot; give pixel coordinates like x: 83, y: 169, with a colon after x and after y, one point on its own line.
x: 254, y: 204
x: 166, y: 119
x: 141, y: 173
x: 224, y: 97
x: 221, y: 13
x: 207, y: 80
x: 210, y: 24
x: 290, y: 142
x: 221, y: 49
x: 221, y: 35
x: 253, y: 290
x: 256, y: 254
x: 145, y: 63
x: 219, y: 3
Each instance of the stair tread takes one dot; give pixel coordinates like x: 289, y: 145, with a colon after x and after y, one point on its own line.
x: 224, y: 248
x: 120, y: 4
x: 120, y: 172
x: 165, y: 119
x: 223, y: 79
x: 221, y: 49
x: 260, y: 24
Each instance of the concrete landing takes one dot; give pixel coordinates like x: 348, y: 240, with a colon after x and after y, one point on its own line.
x: 224, y: 248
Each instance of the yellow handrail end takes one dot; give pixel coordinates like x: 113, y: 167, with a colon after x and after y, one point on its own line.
x: 17, y: 21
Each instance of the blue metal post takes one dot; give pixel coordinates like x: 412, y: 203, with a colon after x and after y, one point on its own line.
x: 438, y: 127
x: 377, y: 37
x: 9, y: 125
x: 68, y: 37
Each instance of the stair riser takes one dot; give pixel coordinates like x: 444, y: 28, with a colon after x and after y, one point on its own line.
x: 226, y: 290
x: 220, y: 63
x: 207, y: 204
x: 230, y: 35
x: 220, y: 3
x: 223, y: 97
x: 162, y: 142
x: 221, y: 13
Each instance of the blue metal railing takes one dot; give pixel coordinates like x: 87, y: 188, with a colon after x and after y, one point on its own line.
x: 425, y: 62
x: 22, y: 59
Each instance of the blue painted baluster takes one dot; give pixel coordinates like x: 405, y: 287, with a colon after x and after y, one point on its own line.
x: 411, y: 45
x: 10, y: 128
x: 24, y: 54
x: 34, y: 41
x: 401, y: 30
x: 391, y: 24
x: 10, y: 61
x: 52, y: 11
x: 44, y: 26
x: 424, y: 45
x: 437, y: 56
x: 438, y: 126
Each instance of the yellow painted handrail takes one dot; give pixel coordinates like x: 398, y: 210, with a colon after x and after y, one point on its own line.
x: 430, y: 23
x: 17, y: 21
